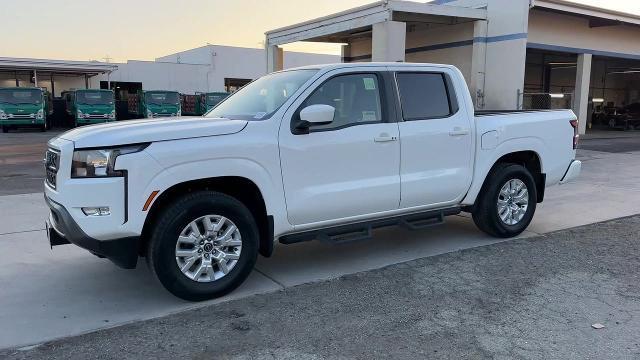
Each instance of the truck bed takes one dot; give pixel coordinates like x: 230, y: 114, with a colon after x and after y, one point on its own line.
x: 480, y: 113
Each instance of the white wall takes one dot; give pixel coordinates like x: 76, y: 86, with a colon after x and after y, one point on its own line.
x: 242, y: 63
x: 185, y: 78
x: 571, y: 31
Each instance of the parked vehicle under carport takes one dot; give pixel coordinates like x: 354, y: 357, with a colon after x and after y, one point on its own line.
x: 627, y: 118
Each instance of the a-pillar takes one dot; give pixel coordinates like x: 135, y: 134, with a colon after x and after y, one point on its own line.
x: 389, y: 41
x: 275, y: 58
x: 583, y: 79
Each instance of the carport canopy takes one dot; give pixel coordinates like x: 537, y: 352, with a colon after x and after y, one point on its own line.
x: 383, y: 20
x: 47, y: 69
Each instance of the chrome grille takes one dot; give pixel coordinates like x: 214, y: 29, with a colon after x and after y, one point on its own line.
x: 23, y: 116
x: 96, y: 116
x: 51, y: 165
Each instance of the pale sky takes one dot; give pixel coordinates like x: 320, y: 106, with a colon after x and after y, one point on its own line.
x: 146, y: 29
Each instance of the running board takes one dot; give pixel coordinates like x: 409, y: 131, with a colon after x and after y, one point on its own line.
x: 363, y: 230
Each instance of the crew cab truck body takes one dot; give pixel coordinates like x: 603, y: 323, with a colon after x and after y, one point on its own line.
x: 325, y: 152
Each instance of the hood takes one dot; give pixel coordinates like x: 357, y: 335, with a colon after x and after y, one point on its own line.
x: 95, y: 108
x: 20, y: 109
x: 150, y: 130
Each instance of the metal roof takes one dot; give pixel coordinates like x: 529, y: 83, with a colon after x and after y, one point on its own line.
x: 612, y: 17
x: 56, y: 66
x: 337, y: 27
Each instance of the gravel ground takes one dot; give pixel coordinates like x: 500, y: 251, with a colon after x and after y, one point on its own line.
x: 534, y: 298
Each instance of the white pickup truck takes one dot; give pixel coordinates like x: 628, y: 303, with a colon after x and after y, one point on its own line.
x: 321, y: 152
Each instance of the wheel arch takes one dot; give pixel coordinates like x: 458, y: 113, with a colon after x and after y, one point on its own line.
x: 241, y: 188
x: 531, y: 157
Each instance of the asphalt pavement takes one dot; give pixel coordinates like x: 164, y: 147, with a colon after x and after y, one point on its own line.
x: 534, y: 298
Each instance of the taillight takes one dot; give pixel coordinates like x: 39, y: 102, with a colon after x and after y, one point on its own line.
x: 576, y: 137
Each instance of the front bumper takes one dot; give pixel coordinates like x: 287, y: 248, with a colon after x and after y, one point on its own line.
x: 572, y: 171
x: 62, y: 229
x: 23, y: 122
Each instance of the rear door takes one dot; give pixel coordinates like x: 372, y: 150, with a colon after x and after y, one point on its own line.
x: 350, y: 167
x: 436, y: 165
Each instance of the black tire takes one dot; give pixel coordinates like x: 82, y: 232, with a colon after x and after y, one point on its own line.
x: 161, y: 256
x: 485, y: 211
x: 5, y: 129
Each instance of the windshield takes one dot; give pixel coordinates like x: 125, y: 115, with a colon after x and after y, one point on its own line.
x: 26, y: 96
x: 161, y: 98
x: 94, y: 97
x: 261, y: 98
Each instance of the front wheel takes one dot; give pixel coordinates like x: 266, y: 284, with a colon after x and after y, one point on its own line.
x: 507, y: 201
x: 203, y: 246
x: 5, y: 129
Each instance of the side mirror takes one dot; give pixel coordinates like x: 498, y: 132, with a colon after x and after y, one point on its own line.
x: 318, y: 114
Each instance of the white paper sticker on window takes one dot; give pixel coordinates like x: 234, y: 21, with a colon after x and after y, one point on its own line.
x: 369, y: 83
x: 369, y: 116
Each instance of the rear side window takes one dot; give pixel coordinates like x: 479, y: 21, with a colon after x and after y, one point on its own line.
x: 424, y: 96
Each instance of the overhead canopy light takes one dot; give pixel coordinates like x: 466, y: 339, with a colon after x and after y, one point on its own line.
x: 556, y: 96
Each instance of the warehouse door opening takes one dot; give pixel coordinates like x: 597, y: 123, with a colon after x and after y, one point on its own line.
x: 232, y: 85
x: 123, y: 90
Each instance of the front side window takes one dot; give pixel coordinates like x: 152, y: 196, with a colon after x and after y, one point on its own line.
x: 423, y: 96
x: 356, y: 98
x: 261, y: 98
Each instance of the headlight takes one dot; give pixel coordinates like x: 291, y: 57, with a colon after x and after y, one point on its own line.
x: 100, y: 162
x: 3, y: 115
x: 112, y: 115
x: 40, y: 114
x: 149, y: 114
x: 80, y: 114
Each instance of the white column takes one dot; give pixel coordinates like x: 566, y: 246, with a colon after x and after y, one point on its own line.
x: 275, y: 58
x: 345, y: 53
x: 581, y: 96
x: 389, y: 41
x: 478, y: 63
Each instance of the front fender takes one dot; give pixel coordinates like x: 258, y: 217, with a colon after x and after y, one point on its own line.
x: 268, y: 184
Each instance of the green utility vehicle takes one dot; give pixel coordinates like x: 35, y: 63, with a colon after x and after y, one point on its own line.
x: 200, y: 103
x: 90, y: 106
x: 24, y: 107
x: 211, y: 99
x: 155, y: 103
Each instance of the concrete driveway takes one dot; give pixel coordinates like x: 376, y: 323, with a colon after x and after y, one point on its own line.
x: 49, y: 294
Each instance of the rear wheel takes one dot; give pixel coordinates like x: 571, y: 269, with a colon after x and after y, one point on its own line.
x: 203, y: 246
x: 507, y: 201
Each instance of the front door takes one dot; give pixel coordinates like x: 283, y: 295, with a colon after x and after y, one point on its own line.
x: 349, y: 167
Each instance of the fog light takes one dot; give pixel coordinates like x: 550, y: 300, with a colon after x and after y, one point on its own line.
x: 96, y: 211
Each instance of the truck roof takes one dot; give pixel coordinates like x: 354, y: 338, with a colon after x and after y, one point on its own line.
x: 20, y: 88
x: 327, y: 67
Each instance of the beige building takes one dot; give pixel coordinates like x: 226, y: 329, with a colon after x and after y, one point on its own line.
x: 514, y: 54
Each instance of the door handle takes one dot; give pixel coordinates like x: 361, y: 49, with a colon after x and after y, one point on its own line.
x: 384, y: 138
x: 458, y: 131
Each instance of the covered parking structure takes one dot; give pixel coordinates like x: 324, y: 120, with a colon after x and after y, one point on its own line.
x: 53, y: 75
x: 513, y: 54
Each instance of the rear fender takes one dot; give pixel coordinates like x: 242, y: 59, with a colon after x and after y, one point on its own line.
x: 485, y: 159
